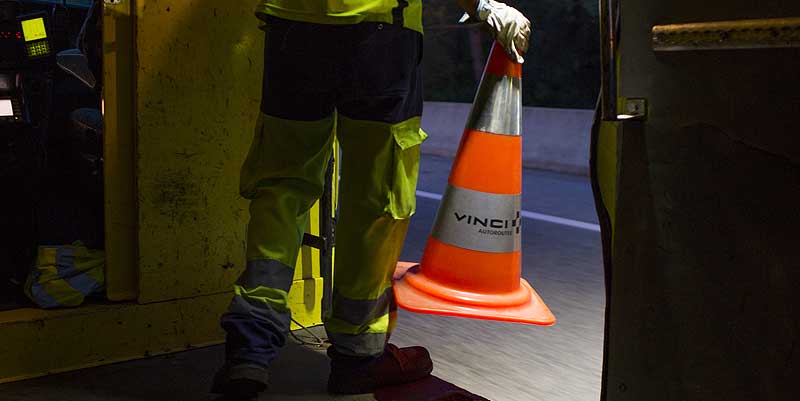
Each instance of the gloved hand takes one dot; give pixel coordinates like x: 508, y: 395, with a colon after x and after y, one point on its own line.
x: 509, y: 26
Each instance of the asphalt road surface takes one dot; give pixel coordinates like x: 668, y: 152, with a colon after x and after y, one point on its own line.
x: 498, y: 361
x: 504, y: 361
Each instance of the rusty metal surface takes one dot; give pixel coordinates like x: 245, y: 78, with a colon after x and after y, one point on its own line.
x: 744, y: 34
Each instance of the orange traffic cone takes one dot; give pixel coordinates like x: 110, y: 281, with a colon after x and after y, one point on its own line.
x: 472, y: 261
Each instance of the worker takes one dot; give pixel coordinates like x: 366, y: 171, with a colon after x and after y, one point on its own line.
x: 349, y: 69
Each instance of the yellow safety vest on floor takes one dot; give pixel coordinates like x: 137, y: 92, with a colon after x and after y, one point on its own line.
x: 65, y: 275
x: 343, y: 12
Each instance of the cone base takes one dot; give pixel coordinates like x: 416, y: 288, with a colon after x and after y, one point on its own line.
x: 414, y: 300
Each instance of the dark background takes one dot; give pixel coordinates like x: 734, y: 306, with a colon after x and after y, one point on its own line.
x: 561, y: 67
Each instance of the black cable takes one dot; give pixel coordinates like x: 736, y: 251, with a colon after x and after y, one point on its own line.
x: 82, y: 33
x: 320, y: 342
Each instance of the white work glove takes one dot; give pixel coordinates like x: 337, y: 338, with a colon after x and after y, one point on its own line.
x: 509, y: 26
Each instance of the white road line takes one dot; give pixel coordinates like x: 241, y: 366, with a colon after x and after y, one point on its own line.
x: 532, y: 215
x: 429, y: 195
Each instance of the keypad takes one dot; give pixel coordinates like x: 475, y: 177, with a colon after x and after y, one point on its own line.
x: 38, y: 48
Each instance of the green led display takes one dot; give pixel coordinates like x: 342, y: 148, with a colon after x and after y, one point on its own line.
x: 34, y: 29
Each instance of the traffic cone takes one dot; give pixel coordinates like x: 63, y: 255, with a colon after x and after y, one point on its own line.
x: 472, y: 261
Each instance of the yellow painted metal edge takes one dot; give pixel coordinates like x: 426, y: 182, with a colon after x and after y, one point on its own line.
x: 119, y: 150
x: 54, y: 341
x: 308, y: 261
x: 607, y: 165
x: 96, y: 364
x: 92, y: 335
x: 305, y: 301
x: 722, y: 35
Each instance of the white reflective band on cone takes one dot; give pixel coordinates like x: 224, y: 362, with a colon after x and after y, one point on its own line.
x: 497, y: 92
x: 479, y: 221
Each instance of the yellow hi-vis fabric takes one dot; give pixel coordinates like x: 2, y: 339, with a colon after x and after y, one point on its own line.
x: 380, y: 165
x: 344, y: 12
x: 65, y: 275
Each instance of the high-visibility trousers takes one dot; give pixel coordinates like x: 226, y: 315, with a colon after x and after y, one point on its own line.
x: 361, y: 84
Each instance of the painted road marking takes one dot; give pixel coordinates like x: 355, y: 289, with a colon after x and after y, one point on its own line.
x: 532, y: 215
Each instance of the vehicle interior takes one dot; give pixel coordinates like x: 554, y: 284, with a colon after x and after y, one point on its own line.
x: 51, y: 133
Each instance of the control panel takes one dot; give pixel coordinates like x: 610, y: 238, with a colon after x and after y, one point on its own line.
x: 24, y: 45
x: 24, y: 40
x: 10, y: 102
x: 34, y: 33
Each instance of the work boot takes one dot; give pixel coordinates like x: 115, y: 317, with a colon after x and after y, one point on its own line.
x: 240, y: 382
x: 354, y: 375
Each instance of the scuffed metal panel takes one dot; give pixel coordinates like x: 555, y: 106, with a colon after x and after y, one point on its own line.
x: 198, y: 78
x: 198, y: 75
x: 703, y: 298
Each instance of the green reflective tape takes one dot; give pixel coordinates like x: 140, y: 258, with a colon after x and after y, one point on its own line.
x: 277, y: 299
x: 377, y: 325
